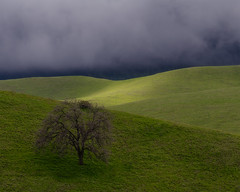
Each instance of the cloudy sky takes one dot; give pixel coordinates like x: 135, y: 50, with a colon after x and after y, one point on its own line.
x: 68, y: 35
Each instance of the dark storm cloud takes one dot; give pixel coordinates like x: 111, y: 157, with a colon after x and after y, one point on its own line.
x: 69, y: 34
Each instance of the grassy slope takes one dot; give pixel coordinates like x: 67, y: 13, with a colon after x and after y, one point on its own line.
x: 201, y: 96
x: 56, y: 87
x: 147, y: 155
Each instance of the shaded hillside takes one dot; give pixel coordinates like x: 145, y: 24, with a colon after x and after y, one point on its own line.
x: 147, y: 155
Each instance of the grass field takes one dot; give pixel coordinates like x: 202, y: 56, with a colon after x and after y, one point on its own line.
x: 202, y: 96
x: 147, y: 155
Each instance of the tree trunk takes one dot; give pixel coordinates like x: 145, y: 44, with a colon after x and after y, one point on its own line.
x: 80, y: 157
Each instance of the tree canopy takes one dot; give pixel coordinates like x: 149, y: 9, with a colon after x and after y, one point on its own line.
x: 78, y: 125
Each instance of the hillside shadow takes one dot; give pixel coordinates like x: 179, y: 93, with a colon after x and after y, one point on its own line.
x: 67, y: 167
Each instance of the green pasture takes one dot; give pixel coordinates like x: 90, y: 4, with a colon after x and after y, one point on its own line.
x: 147, y: 155
x: 201, y: 96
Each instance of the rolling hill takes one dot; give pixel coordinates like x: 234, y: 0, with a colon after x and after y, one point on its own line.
x: 201, y: 96
x: 147, y: 155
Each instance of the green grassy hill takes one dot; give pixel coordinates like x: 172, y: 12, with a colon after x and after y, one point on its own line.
x: 147, y: 155
x: 55, y: 87
x: 202, y: 96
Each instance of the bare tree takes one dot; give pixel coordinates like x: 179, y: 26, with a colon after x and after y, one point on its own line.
x: 77, y: 125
